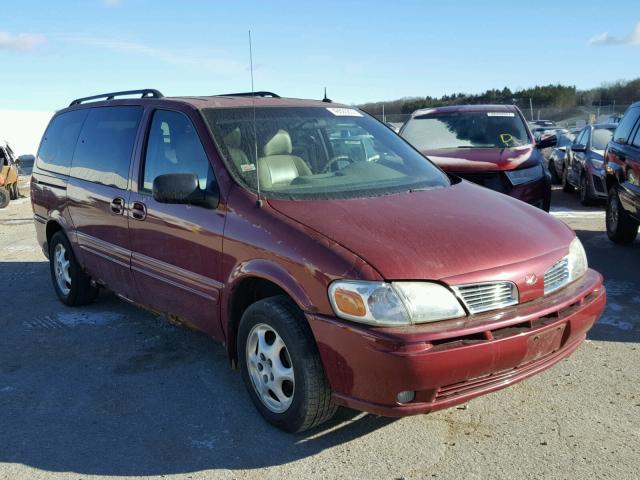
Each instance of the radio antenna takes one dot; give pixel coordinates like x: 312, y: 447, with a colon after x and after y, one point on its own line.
x: 255, y: 133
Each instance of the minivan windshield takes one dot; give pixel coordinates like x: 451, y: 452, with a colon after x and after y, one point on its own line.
x: 318, y: 152
x: 486, y: 129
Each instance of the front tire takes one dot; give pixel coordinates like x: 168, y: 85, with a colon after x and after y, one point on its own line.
x: 13, y: 191
x: 4, y: 197
x: 71, y: 284
x: 584, y: 192
x: 281, y: 366
x: 555, y: 178
x: 566, y: 186
x: 621, y: 228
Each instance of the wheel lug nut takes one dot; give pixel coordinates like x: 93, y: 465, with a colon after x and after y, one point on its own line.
x: 265, y: 379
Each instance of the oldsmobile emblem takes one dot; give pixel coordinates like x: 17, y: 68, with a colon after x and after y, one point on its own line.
x: 530, y: 279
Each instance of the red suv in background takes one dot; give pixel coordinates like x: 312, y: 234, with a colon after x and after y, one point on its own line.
x: 490, y: 145
x: 334, y: 262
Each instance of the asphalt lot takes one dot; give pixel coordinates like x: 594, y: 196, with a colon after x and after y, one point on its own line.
x: 112, y: 391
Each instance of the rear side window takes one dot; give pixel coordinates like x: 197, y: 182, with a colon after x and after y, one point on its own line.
x: 103, y: 154
x: 626, y: 125
x: 59, y: 141
x: 174, y: 147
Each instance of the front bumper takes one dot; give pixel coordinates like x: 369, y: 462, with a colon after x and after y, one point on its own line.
x: 368, y: 367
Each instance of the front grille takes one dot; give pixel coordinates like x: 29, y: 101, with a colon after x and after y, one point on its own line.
x: 494, y: 180
x: 482, y: 297
x: 557, y: 276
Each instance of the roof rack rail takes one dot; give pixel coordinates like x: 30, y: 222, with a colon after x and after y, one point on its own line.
x: 144, y: 93
x: 250, y: 94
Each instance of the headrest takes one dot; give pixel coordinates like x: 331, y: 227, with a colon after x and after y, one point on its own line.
x: 280, y: 144
x: 232, y: 139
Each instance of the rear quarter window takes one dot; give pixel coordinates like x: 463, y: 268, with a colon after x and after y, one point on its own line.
x: 59, y: 141
x: 625, y: 126
x: 104, y: 150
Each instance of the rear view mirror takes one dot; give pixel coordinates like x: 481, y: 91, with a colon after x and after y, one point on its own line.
x: 183, y: 188
x: 547, y: 141
x: 578, y: 147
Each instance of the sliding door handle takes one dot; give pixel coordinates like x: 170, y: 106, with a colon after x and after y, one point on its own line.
x: 139, y: 210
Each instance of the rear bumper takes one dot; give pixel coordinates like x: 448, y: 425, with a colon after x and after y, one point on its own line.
x: 368, y: 367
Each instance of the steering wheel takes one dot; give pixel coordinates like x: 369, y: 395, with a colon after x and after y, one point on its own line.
x: 337, y: 158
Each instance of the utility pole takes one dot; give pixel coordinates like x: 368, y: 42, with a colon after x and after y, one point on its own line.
x: 384, y: 118
x: 531, y: 108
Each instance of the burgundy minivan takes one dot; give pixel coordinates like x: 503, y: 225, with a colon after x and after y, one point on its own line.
x: 332, y: 260
x: 490, y: 145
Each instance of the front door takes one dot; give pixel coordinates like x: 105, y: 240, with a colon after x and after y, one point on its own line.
x: 176, y: 249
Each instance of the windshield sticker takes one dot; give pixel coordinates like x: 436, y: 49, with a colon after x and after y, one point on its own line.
x: 248, y: 167
x: 501, y: 114
x: 507, y: 139
x: 345, y: 112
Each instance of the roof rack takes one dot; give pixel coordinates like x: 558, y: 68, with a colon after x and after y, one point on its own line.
x: 144, y: 93
x: 250, y: 94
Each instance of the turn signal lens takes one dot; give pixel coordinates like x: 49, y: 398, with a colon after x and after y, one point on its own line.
x: 349, y: 302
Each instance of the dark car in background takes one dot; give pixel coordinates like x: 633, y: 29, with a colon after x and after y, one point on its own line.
x: 554, y: 157
x: 622, y: 167
x: 490, y: 145
x: 583, y: 166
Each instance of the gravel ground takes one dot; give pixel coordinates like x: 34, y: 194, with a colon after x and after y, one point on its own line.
x: 112, y: 391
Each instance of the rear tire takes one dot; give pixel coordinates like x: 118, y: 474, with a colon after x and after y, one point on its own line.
x: 71, y: 284
x: 274, y: 338
x: 621, y: 228
x: 4, y: 197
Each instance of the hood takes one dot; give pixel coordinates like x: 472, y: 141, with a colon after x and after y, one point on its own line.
x: 436, y: 234
x: 482, y: 159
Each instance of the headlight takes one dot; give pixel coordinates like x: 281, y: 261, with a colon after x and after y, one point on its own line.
x: 597, y: 163
x: 634, y: 178
x: 525, y: 175
x: 393, y: 304
x: 577, y: 260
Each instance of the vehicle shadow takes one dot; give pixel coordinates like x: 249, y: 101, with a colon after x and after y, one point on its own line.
x: 619, y: 266
x: 109, y: 389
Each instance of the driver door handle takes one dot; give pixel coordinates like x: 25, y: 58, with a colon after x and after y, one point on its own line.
x: 138, y: 210
x: 117, y: 205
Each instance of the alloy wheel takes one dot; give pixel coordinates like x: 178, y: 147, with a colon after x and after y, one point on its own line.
x: 61, y: 268
x: 270, y: 368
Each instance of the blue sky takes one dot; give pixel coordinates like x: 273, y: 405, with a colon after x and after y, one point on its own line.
x: 52, y: 52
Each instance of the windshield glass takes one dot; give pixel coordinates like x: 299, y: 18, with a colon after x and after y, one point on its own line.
x: 601, y: 137
x: 318, y: 152
x: 466, y: 130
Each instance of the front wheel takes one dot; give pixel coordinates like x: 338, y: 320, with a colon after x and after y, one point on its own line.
x: 584, y: 192
x: 13, y: 191
x: 555, y: 178
x: 72, y: 285
x: 621, y: 228
x: 4, y: 197
x: 281, y: 366
x: 566, y: 186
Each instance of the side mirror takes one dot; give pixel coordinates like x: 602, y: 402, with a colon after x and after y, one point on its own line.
x: 547, y: 141
x: 183, y: 188
x: 578, y: 147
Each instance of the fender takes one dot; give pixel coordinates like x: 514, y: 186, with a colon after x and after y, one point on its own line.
x: 266, y: 270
